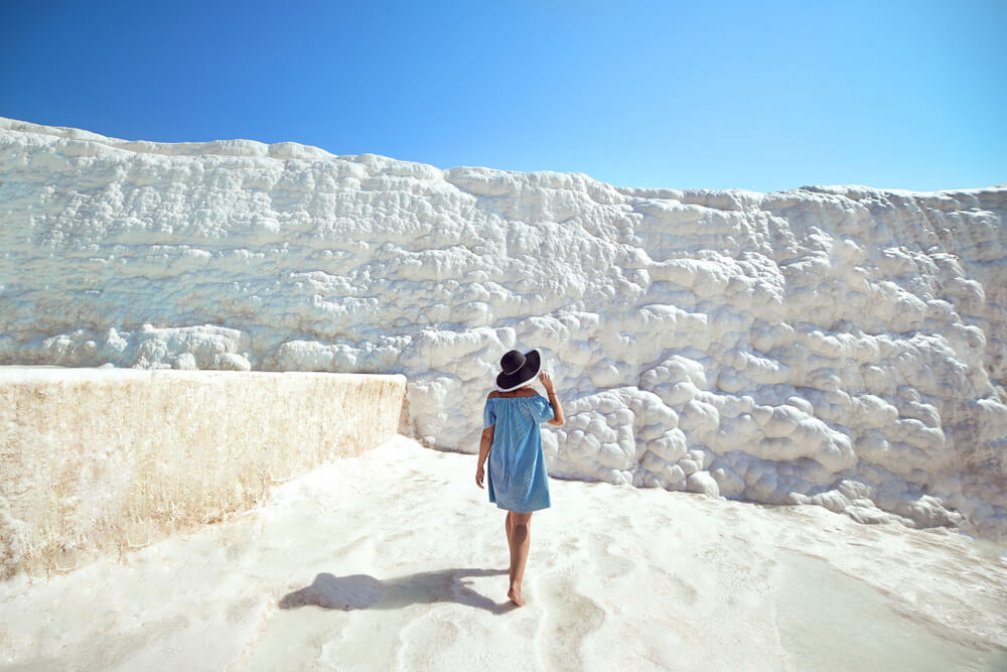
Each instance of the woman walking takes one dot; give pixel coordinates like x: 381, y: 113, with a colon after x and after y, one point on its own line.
x: 517, y: 477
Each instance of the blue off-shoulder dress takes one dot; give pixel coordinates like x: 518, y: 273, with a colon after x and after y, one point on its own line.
x: 516, y: 472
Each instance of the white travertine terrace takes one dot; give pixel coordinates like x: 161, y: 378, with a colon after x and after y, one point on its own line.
x: 394, y: 560
x: 106, y: 460
x: 840, y: 346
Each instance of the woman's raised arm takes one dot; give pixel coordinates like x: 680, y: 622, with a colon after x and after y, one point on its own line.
x: 557, y: 408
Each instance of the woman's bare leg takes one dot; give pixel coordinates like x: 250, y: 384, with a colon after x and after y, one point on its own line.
x: 519, y: 540
x: 509, y: 527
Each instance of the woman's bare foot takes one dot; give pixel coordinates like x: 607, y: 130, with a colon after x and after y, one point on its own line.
x: 515, y: 596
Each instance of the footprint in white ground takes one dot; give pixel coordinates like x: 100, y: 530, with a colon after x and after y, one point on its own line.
x: 568, y: 617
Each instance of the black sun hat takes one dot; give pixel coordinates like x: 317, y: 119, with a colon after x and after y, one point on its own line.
x: 517, y: 369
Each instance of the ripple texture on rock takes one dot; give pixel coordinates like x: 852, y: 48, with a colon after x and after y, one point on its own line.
x: 840, y: 346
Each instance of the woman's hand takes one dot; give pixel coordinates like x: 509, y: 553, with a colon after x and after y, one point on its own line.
x: 546, y: 381
x: 480, y: 473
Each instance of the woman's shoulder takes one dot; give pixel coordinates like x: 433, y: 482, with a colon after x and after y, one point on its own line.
x: 517, y: 394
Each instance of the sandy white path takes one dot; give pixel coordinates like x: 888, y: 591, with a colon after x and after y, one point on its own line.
x: 394, y: 561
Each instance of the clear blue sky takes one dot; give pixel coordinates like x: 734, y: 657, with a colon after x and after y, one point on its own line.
x: 748, y: 94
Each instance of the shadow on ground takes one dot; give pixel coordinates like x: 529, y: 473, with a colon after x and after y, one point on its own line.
x: 362, y: 591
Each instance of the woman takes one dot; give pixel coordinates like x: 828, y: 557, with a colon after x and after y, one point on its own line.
x: 511, y: 440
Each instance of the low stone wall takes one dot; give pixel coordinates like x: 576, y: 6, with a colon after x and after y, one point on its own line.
x: 95, y: 461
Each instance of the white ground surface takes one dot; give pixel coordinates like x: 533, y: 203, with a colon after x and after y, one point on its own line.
x: 395, y: 561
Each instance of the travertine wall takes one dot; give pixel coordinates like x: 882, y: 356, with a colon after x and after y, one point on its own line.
x: 840, y: 346
x: 102, y: 460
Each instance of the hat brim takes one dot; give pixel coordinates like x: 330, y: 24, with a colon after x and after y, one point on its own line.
x: 507, y: 382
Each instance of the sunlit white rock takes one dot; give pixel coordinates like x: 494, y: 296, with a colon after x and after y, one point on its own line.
x: 797, y: 340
